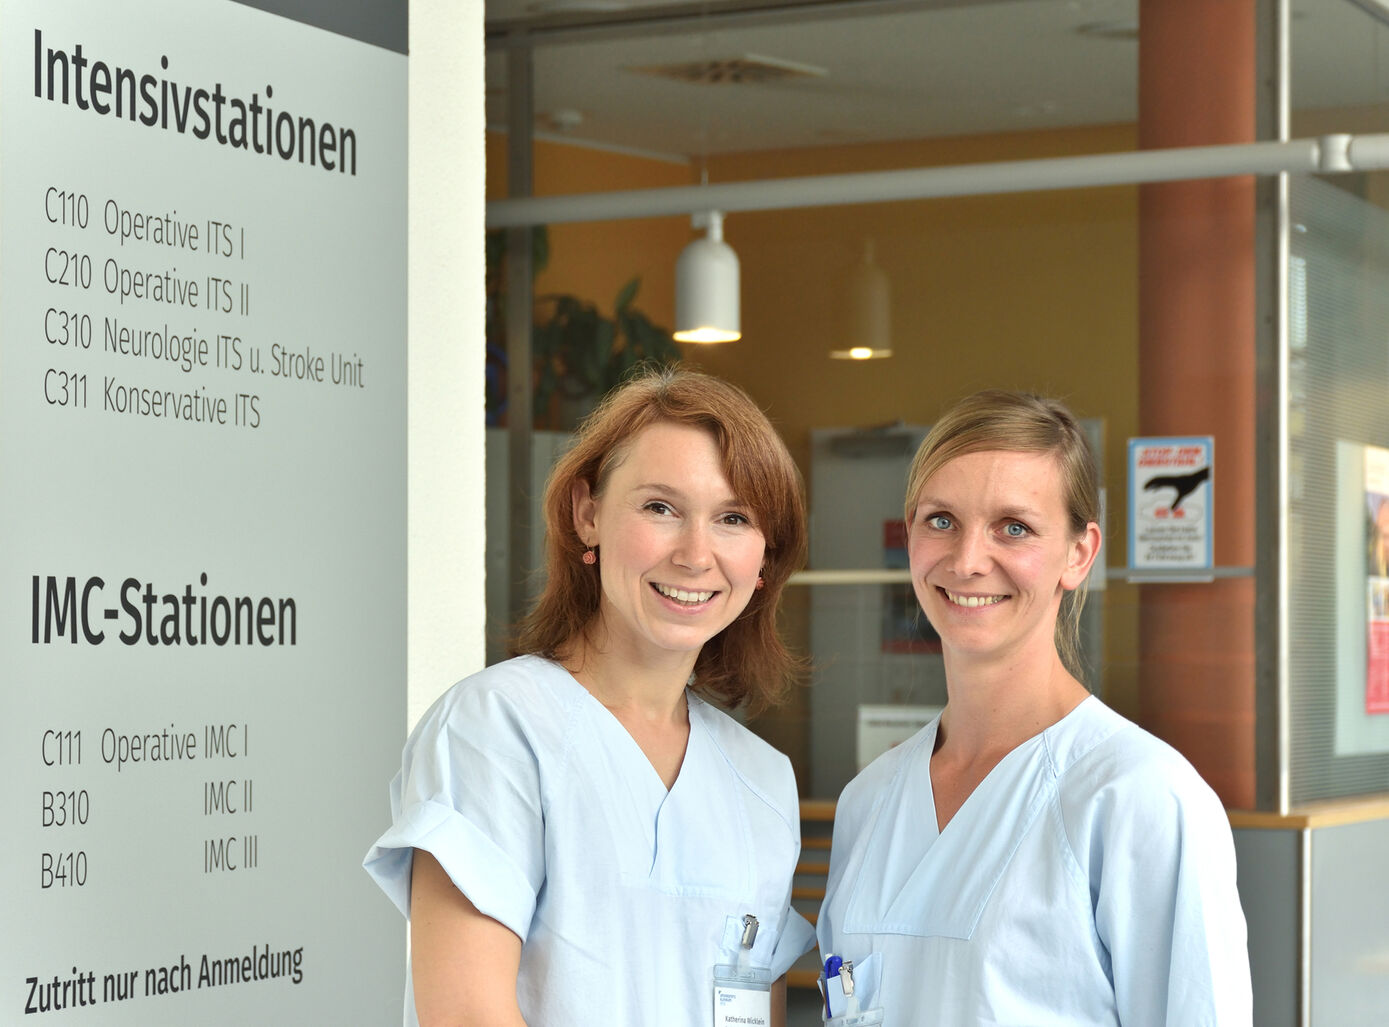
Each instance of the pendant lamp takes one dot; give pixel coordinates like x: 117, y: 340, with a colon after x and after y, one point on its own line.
x: 870, y: 312
x: 706, y: 287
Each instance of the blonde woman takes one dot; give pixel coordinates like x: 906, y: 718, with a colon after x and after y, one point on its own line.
x: 1029, y: 857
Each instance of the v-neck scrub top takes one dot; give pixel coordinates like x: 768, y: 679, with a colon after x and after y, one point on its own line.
x: 1089, y: 879
x: 545, y: 812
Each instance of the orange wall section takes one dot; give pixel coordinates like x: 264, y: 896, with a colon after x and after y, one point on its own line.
x: 594, y: 260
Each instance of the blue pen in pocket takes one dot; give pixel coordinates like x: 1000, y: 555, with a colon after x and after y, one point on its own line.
x: 844, y: 998
x: 832, y: 965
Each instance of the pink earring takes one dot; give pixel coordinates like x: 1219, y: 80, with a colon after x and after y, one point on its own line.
x: 760, y: 583
x: 590, y: 557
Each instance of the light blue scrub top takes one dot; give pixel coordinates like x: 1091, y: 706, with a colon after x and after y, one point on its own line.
x: 1089, y: 879
x: 545, y: 812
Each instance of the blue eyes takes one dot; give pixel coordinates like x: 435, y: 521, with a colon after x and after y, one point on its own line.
x: 943, y: 522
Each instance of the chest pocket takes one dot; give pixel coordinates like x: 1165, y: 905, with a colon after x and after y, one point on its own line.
x: 913, y: 881
x: 764, y: 945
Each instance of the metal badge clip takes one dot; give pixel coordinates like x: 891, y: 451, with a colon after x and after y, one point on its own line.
x: 749, y: 930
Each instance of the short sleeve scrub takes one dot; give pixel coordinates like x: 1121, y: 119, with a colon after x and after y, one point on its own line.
x: 545, y: 812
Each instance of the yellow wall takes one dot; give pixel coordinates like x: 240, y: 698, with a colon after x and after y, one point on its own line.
x: 1034, y: 290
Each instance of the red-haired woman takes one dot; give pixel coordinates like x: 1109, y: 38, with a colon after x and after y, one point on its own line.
x: 580, y: 837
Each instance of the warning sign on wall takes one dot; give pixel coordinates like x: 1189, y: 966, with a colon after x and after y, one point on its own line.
x: 1171, y: 488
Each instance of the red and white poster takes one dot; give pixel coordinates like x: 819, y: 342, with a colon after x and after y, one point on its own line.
x: 1377, y: 580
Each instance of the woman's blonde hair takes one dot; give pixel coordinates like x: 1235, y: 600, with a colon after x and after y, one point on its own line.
x: 1020, y: 422
x: 747, y: 662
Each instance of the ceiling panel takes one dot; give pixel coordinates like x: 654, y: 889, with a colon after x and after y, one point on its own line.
x: 892, y: 70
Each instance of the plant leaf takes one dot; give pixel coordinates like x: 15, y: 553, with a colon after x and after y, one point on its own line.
x: 627, y: 293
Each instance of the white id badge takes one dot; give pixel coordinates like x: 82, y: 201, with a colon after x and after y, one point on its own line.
x: 742, y: 997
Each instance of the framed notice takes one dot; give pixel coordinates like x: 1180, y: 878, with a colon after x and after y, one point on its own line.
x: 1170, y: 503
x: 1361, y: 598
x: 202, y: 544
x: 1376, y: 580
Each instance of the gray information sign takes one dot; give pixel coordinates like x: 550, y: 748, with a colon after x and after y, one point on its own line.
x: 202, y: 534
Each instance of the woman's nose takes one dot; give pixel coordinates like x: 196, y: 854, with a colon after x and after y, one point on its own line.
x: 694, y: 549
x: 970, y: 555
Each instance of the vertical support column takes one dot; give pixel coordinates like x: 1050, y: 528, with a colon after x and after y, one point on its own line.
x: 1196, y: 376
x: 519, y: 301
x: 1271, y: 723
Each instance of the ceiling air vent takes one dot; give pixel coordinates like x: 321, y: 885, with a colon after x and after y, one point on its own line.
x: 747, y: 69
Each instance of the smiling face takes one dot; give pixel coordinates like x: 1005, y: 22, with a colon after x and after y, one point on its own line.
x: 678, y: 553
x: 992, y: 552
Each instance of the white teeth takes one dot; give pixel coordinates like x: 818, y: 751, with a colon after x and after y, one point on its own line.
x: 972, y: 601
x: 680, y: 595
